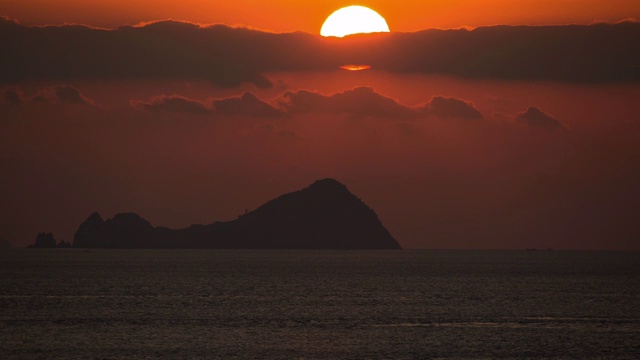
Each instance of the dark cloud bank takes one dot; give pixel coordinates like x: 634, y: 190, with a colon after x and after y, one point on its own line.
x: 360, y: 102
x: 231, y: 56
x: 245, y: 105
x: 60, y: 94
x: 537, y: 119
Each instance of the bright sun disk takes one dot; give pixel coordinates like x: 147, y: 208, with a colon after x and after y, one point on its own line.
x: 353, y: 20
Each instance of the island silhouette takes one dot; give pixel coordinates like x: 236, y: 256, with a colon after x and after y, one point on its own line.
x: 324, y: 215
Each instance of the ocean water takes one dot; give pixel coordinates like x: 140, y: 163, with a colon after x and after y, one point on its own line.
x: 133, y: 304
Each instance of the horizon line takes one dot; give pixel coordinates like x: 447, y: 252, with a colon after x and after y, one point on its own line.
x: 239, y: 26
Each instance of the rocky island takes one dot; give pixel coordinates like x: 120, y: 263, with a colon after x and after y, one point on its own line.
x: 325, y: 215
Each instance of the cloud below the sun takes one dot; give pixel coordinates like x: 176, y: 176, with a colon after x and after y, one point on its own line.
x: 229, y: 57
x: 245, y: 105
x: 360, y: 102
x: 448, y: 107
x: 356, y: 103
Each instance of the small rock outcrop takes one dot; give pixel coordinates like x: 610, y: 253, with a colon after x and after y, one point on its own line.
x: 64, y: 245
x: 44, y: 241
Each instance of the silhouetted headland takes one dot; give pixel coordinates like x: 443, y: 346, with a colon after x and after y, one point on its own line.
x: 324, y: 215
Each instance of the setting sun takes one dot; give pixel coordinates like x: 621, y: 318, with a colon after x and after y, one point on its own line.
x: 320, y: 179
x: 353, y: 20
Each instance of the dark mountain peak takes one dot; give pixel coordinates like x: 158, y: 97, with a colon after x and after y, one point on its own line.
x: 321, y: 195
x: 89, y: 231
x: 124, y: 230
x: 325, y: 215
x: 129, y: 220
x: 328, y: 185
x: 94, y: 218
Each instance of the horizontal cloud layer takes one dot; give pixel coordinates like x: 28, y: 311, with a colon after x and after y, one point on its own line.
x: 172, y: 103
x: 359, y: 102
x: 59, y: 94
x: 446, y: 107
x: 537, y: 119
x: 232, y: 56
x: 246, y: 105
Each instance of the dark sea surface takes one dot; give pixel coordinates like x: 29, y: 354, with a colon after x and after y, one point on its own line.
x: 133, y: 304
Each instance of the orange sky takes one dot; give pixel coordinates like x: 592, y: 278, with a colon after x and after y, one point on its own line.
x: 457, y: 139
x: 294, y: 15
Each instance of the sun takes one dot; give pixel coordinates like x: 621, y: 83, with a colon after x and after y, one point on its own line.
x: 353, y: 20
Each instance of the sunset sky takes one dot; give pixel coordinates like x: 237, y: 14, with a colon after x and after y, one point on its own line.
x: 294, y: 15
x: 484, y: 137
